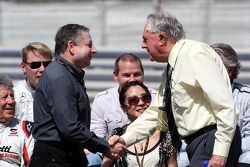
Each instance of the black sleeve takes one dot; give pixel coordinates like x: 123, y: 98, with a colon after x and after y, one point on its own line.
x: 66, y: 116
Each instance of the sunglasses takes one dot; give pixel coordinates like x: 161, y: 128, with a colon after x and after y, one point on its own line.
x: 134, y: 100
x: 37, y: 64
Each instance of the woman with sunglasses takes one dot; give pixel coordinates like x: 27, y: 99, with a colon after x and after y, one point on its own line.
x: 154, y: 151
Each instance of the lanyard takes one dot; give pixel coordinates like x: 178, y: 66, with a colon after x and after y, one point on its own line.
x: 136, y: 152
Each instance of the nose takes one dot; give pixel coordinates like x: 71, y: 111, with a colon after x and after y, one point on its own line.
x: 131, y: 78
x: 141, y: 103
x: 143, y: 45
x: 42, y: 68
x: 93, y: 49
x: 11, y: 100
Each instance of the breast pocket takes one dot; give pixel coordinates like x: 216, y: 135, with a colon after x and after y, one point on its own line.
x: 113, y: 120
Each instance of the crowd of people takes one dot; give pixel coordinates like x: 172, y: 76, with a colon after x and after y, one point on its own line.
x: 199, y: 115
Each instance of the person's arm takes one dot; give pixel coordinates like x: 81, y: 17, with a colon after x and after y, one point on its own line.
x: 213, y: 79
x: 28, y: 141
x: 106, y: 162
x: 242, y: 100
x: 218, y: 161
x: 171, y: 161
x: 98, y: 125
x: 245, y: 131
x: 146, y: 123
x: 64, y: 96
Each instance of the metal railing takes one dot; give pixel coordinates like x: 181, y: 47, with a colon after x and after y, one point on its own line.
x: 118, y: 24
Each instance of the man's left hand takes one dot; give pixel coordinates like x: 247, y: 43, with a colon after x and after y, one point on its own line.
x: 217, y: 161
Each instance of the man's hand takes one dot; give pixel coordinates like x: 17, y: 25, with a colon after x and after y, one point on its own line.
x: 106, y: 162
x: 108, y: 154
x: 115, y: 139
x: 217, y: 161
x: 117, y: 145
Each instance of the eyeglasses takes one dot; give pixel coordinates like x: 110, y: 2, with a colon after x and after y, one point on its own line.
x: 134, y: 100
x: 37, y: 64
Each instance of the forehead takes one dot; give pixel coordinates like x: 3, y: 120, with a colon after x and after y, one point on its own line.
x: 147, y: 27
x: 4, y: 89
x: 146, y: 34
x: 86, y: 37
x: 150, y: 36
x: 128, y: 66
x: 135, y: 90
x: 35, y: 56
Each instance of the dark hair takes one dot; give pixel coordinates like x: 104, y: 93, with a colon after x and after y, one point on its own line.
x: 127, y: 86
x: 6, y: 82
x: 69, y: 32
x: 229, y: 57
x: 127, y: 57
x: 36, y: 47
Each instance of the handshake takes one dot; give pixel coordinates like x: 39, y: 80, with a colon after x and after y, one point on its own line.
x: 117, y: 147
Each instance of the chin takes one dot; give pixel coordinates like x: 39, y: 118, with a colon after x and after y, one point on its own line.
x: 9, y: 119
x: 86, y: 64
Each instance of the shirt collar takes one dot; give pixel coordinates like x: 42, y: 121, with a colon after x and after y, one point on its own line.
x: 79, y: 73
x: 28, y: 86
x: 174, y: 53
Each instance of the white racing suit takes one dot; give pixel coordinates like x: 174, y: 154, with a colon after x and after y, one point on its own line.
x: 16, y: 143
x: 24, y: 100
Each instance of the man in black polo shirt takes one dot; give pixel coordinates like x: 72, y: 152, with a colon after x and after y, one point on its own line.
x: 61, y: 105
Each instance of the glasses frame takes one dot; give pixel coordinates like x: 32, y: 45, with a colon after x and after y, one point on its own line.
x: 38, y: 64
x: 134, y: 100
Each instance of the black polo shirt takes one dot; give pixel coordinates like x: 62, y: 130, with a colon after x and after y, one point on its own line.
x: 62, y: 110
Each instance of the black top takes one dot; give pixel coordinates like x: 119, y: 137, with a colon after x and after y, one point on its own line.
x: 62, y: 110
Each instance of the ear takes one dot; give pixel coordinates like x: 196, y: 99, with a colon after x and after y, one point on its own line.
x: 71, y: 47
x: 163, y: 38
x: 124, y: 109
x: 22, y: 66
x: 115, y: 76
x: 230, y: 71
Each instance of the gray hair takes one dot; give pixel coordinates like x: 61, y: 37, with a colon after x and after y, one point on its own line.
x: 229, y: 56
x: 166, y: 23
x: 6, y: 82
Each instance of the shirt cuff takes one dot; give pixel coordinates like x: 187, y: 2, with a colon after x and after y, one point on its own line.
x: 221, y: 149
x: 128, y: 138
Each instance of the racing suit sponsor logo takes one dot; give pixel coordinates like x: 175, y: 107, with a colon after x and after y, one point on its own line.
x: 9, y: 156
x: 13, y: 131
x: 5, y: 149
x: 5, y: 153
x: 23, y: 96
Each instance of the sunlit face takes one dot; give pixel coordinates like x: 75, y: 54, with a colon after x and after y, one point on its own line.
x: 128, y: 71
x: 136, y: 102
x: 152, y: 43
x: 84, y: 51
x: 7, y: 104
x: 33, y: 74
